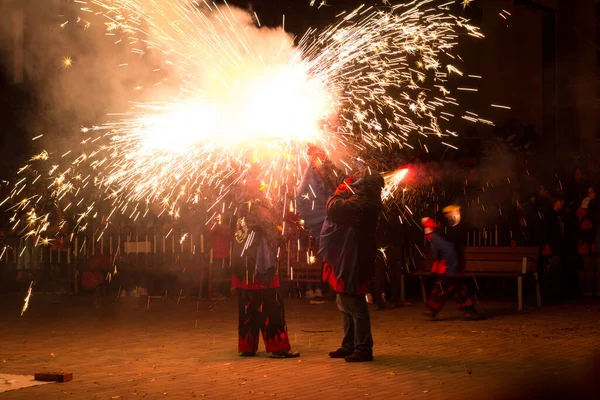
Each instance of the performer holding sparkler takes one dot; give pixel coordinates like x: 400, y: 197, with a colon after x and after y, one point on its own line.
x: 447, y: 267
x: 349, y: 246
x: 256, y: 278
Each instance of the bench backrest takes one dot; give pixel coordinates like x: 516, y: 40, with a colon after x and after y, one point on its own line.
x: 499, y: 259
x: 522, y: 251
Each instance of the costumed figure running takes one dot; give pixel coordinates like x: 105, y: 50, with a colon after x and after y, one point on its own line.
x: 447, y: 265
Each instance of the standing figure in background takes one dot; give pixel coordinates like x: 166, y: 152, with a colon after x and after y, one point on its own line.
x: 552, y: 250
x: 96, y: 272
x: 532, y: 221
x: 221, y: 236
x: 447, y: 267
x: 388, y: 264
x: 256, y: 278
x: 348, y: 247
x: 588, y: 223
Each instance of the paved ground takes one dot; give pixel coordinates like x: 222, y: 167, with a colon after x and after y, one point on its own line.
x: 122, y: 351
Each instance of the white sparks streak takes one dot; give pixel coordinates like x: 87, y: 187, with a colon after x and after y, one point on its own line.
x: 26, y: 304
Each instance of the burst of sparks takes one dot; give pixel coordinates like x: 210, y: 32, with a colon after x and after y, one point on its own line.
x: 392, y: 183
x: 67, y: 62
x: 26, y: 304
x: 246, y: 96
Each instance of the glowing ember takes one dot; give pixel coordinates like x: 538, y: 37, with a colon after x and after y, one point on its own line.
x: 67, y: 62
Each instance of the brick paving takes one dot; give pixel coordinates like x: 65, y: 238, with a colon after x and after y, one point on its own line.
x: 122, y: 351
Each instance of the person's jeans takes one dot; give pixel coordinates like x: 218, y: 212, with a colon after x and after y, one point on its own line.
x: 380, y: 283
x: 553, y: 278
x: 357, y: 323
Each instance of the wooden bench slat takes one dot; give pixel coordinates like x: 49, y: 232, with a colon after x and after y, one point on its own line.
x: 495, y: 266
x: 477, y: 274
x: 502, y: 249
x: 497, y: 257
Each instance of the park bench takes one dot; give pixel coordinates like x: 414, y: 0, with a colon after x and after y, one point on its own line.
x: 493, y: 262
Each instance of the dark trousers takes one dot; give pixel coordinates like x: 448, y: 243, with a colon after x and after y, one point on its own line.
x: 553, y: 278
x: 387, y: 277
x: 447, y: 287
x: 261, y: 310
x: 357, y: 323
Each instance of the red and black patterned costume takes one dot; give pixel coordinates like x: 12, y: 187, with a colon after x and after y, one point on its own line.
x: 447, y: 268
x: 256, y: 280
x: 261, y: 310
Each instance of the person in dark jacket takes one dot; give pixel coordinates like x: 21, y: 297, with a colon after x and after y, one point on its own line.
x: 532, y: 216
x: 256, y: 278
x: 587, y: 218
x: 447, y: 266
x: 552, y: 249
x: 348, y: 247
x: 388, y: 264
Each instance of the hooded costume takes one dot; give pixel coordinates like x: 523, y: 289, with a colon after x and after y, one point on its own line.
x: 349, y: 247
x: 348, y: 236
x: 256, y: 279
x: 447, y: 265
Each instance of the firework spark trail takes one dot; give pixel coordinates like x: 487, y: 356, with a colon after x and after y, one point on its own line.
x: 26, y: 304
x: 246, y: 95
x: 392, y: 183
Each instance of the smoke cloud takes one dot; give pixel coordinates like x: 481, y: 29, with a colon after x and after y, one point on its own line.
x: 81, y: 69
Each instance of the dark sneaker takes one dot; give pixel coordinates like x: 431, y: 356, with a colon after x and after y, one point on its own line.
x: 247, y: 354
x: 285, y: 354
x: 359, y: 357
x: 340, y: 353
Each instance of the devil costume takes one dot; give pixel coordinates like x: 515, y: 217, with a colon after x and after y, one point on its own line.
x: 348, y: 247
x: 447, y: 268
x: 256, y: 280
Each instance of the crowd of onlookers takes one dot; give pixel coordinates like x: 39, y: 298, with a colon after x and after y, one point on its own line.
x: 564, y: 224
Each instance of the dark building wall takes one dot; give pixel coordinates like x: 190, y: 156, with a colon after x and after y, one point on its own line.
x: 511, y: 61
x: 543, y: 61
x: 577, y: 71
